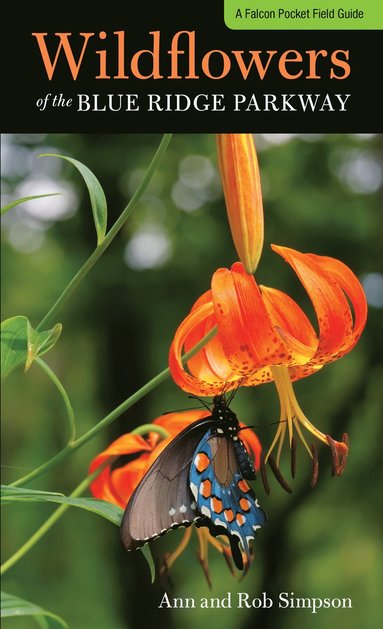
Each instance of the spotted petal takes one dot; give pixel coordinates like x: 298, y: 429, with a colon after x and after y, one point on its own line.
x: 292, y: 324
x: 210, y: 363
x: 353, y: 290
x: 329, y: 284
x: 209, y: 369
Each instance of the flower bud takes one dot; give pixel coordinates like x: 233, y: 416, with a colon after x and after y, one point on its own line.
x: 242, y: 188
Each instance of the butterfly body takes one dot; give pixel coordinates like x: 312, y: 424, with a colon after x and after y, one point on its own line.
x: 244, y: 461
x: 199, y: 478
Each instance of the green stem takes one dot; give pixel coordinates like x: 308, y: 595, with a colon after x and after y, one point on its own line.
x: 56, y: 515
x: 145, y: 428
x: 71, y: 447
x: 124, y: 406
x: 68, y: 406
x: 110, y: 235
x: 24, y: 480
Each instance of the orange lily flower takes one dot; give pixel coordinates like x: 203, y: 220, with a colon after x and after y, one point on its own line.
x: 242, y: 188
x: 263, y: 335
x: 117, y: 485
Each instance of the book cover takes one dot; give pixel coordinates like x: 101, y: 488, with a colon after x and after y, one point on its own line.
x: 192, y: 293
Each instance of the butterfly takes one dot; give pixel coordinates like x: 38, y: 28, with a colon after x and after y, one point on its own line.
x: 199, y: 478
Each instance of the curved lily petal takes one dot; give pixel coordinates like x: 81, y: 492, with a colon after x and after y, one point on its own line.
x: 351, y: 286
x: 209, y: 363
x: 292, y: 323
x: 330, y: 303
x: 127, y: 444
x: 303, y: 371
x: 241, y: 313
x: 124, y: 480
x: 178, y: 420
x: 210, y: 383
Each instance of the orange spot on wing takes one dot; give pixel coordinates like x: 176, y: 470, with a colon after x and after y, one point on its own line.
x: 205, y: 488
x: 229, y: 515
x: 216, y: 505
x: 240, y: 519
x: 201, y: 462
x: 245, y: 504
x: 243, y: 486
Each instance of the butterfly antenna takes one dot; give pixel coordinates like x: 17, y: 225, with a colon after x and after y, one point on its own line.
x: 181, y: 410
x: 239, y: 384
x: 195, y: 397
x: 225, y: 389
x: 265, y: 480
x: 231, y: 396
x: 262, y: 425
x: 233, y: 392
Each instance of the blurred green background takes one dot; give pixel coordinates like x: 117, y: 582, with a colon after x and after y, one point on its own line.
x: 322, y: 194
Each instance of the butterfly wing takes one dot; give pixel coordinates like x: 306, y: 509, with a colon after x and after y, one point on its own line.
x: 163, y: 499
x: 223, y: 495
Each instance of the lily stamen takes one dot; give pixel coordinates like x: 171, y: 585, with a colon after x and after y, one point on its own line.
x: 265, y: 480
x: 339, y: 451
x: 293, y: 459
x: 227, y: 556
x: 315, y: 470
x: 202, y: 555
x: 278, y: 475
x: 171, y: 558
x: 292, y: 415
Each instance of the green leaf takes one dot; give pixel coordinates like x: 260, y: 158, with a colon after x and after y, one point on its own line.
x: 96, y: 193
x: 9, y: 494
x: 8, y: 207
x: 149, y: 558
x: 39, y: 343
x: 107, y: 510
x: 20, y: 343
x: 15, y: 606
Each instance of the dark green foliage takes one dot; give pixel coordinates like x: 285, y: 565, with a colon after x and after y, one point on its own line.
x: 117, y: 330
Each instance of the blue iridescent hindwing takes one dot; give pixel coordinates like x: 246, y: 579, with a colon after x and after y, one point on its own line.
x: 232, y: 504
